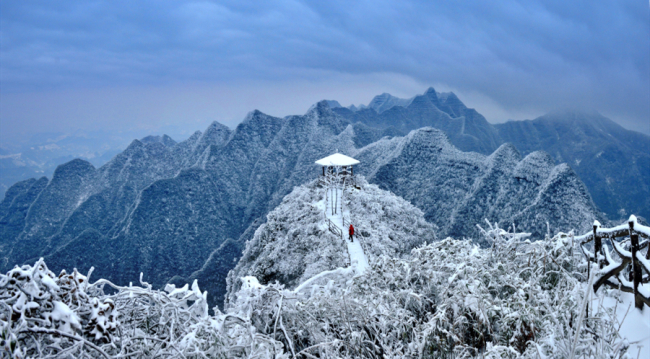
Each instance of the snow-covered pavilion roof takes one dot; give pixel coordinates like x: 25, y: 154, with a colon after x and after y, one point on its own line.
x: 337, y: 159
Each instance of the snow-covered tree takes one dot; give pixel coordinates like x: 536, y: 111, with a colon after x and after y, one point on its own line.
x: 43, y: 315
x: 513, y: 299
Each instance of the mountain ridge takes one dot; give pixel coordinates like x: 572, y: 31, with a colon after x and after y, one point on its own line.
x: 611, y: 160
x: 184, y: 212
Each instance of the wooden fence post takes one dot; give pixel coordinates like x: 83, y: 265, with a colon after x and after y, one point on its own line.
x: 636, y: 266
x: 598, y: 246
x: 636, y: 269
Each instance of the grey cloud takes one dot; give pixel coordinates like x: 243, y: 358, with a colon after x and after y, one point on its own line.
x: 535, y: 54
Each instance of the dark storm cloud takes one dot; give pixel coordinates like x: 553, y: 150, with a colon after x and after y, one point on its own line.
x: 535, y: 55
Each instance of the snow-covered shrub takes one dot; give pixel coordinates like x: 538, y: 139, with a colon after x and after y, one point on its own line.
x: 388, y: 225
x: 451, y: 298
x: 65, y: 316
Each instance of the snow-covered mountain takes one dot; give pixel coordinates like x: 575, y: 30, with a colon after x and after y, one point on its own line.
x: 183, y: 211
x: 40, y: 155
x: 295, y: 244
x: 386, y: 101
x: 457, y: 190
x: 467, y: 129
x: 612, y: 162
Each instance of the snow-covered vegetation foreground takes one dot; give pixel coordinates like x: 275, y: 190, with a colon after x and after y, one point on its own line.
x: 448, y: 298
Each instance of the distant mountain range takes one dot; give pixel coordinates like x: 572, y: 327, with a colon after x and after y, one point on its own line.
x: 459, y: 190
x: 613, y: 162
x: 40, y: 154
x: 183, y: 211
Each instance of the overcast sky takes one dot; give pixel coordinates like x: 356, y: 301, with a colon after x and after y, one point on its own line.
x: 107, y: 65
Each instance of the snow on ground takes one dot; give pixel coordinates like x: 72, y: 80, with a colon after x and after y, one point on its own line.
x: 338, y: 275
x: 635, y: 324
x: 358, y: 259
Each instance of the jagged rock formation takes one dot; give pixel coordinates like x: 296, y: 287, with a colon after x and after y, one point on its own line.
x: 458, y: 190
x: 165, y: 209
x: 386, y: 101
x: 182, y: 211
x: 467, y: 129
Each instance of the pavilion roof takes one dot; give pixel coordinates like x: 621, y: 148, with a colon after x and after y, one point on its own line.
x: 337, y: 159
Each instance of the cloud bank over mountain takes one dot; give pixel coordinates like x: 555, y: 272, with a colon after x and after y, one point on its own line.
x: 521, y: 59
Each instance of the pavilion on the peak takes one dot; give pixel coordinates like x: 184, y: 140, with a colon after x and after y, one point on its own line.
x: 338, y: 160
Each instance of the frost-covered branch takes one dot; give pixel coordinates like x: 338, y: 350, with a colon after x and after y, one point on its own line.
x: 43, y: 315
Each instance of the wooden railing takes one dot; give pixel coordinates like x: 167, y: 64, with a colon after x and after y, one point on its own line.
x: 342, y: 179
x: 346, y: 223
x: 632, y: 262
x: 333, y: 228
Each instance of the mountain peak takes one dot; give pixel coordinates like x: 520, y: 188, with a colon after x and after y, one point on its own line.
x: 333, y: 103
x: 320, y: 108
x: 507, y: 152
x: 164, y: 139
x: 386, y: 101
x: 216, y: 134
x: 432, y: 95
x: 255, y: 114
x: 218, y: 126
x: 354, y: 108
x: 430, y: 90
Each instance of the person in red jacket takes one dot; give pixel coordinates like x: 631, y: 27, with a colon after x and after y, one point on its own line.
x: 351, y: 231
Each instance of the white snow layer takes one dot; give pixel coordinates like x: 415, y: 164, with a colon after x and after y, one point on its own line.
x: 295, y: 243
x: 337, y: 159
x: 635, y: 324
x: 358, y: 259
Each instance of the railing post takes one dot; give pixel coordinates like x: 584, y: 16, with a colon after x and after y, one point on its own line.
x: 598, y: 245
x: 636, y: 266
